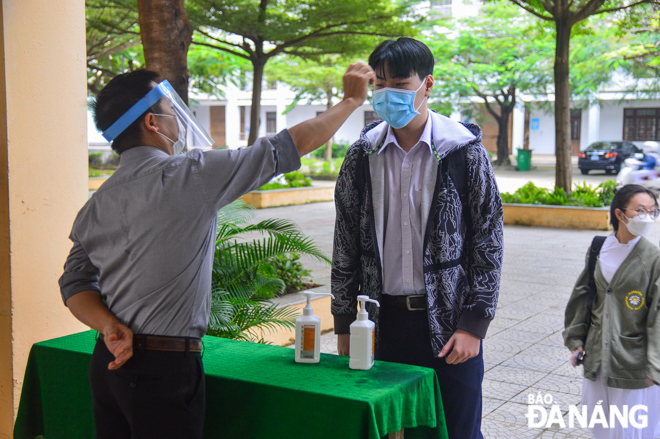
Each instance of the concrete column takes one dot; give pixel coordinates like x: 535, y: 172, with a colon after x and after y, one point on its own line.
x: 593, y: 125
x: 280, y: 107
x: 232, y: 120
x: 518, y: 137
x: 43, y: 176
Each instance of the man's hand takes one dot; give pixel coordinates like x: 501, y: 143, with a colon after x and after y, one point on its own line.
x: 462, y: 345
x: 344, y: 344
x: 575, y: 356
x: 356, y: 81
x: 89, y: 308
x: 119, y: 341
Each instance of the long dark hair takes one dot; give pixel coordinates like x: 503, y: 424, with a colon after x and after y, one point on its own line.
x: 622, y: 199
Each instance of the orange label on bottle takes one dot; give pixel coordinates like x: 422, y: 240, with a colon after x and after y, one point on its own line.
x: 309, y: 338
x: 373, y: 343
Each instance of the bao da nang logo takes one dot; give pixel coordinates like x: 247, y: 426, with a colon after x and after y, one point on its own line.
x: 542, y: 412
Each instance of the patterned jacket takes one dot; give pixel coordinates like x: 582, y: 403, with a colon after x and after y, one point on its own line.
x: 462, y: 266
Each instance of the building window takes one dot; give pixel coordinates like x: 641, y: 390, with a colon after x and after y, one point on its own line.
x: 641, y: 124
x: 441, y: 7
x: 271, y: 123
x: 576, y: 122
x: 369, y: 117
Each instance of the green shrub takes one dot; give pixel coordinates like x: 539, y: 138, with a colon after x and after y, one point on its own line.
x: 290, y: 270
x: 244, y: 270
x: 286, y: 181
x: 338, y: 150
x: 95, y: 159
x: 583, y: 195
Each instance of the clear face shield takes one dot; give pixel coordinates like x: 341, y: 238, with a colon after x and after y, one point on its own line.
x: 191, y: 134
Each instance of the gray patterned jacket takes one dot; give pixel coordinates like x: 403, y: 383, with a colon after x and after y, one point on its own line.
x: 461, y: 267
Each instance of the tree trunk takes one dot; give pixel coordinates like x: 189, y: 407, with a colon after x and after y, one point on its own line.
x: 564, y: 169
x: 166, y: 35
x: 327, y: 153
x: 503, y: 136
x: 526, y: 130
x: 255, y: 110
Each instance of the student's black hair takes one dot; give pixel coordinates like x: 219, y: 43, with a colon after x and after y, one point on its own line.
x: 402, y: 58
x: 622, y: 199
x: 117, y: 97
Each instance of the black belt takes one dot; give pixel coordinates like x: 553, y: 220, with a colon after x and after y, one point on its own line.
x: 412, y: 303
x: 164, y: 343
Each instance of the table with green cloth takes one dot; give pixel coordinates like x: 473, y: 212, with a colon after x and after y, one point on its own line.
x: 252, y: 391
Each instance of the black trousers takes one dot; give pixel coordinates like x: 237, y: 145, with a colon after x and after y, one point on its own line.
x: 404, y: 337
x: 154, y: 395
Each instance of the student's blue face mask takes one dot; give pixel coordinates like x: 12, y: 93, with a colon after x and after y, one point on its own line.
x: 396, y: 106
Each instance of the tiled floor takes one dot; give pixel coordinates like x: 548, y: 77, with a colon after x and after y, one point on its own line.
x: 523, y: 352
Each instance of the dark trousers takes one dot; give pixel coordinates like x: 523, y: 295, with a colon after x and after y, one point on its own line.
x: 404, y: 338
x: 154, y: 395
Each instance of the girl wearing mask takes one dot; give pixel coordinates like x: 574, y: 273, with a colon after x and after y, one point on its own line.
x: 617, y: 338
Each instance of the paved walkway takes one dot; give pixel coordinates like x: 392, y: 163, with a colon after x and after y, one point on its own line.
x: 523, y: 351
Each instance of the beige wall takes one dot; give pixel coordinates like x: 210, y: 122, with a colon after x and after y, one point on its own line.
x: 43, y: 172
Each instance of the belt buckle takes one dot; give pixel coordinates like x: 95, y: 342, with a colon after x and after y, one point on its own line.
x: 410, y: 308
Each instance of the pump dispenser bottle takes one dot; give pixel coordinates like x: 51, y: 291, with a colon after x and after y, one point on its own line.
x: 363, y: 338
x: 308, y: 332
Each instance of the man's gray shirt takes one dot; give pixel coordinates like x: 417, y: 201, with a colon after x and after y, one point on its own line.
x: 145, y: 240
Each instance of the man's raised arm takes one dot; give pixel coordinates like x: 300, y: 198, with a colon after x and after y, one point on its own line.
x: 315, y: 132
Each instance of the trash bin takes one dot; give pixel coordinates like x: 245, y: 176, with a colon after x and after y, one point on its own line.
x: 524, y: 159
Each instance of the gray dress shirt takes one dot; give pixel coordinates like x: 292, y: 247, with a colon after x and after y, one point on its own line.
x: 145, y: 240
x: 403, y: 271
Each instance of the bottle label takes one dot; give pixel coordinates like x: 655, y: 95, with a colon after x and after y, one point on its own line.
x: 308, y: 341
x: 373, y: 344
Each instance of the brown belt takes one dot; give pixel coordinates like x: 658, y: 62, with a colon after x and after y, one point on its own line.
x: 163, y: 343
x: 412, y: 303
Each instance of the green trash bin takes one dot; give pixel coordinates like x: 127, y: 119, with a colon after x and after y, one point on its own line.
x: 524, y: 159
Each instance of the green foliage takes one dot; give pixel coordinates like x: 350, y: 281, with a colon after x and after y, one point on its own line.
x: 243, y: 273
x: 95, y: 159
x: 209, y: 69
x: 320, y: 169
x: 583, y: 195
x: 290, y: 270
x: 338, y: 150
x: 113, y: 41
x: 286, y: 181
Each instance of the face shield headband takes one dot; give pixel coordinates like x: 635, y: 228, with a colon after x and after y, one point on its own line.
x: 195, y: 135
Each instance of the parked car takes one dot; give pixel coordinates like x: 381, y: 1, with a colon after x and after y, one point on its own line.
x: 607, y: 156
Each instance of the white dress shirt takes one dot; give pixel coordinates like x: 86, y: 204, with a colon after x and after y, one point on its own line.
x: 403, y: 271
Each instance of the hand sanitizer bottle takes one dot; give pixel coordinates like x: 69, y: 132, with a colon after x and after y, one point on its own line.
x: 308, y: 332
x: 363, y: 338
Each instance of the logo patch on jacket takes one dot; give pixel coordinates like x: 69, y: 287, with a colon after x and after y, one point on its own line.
x: 634, y: 300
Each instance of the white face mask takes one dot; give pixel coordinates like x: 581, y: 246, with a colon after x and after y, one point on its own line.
x: 178, y: 146
x: 638, y: 226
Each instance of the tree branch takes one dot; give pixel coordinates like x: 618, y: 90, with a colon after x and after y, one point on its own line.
x: 224, y: 49
x: 584, y: 13
x: 488, y: 107
x: 531, y: 10
x: 240, y: 46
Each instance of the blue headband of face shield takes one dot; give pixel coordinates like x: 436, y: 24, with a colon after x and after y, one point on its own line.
x: 136, y: 110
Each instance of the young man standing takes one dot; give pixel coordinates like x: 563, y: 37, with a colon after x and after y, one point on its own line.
x: 139, y: 271
x: 419, y: 228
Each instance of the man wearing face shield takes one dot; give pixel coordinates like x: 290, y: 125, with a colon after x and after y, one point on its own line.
x: 139, y: 271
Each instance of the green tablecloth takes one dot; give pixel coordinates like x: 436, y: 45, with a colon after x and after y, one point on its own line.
x: 252, y: 391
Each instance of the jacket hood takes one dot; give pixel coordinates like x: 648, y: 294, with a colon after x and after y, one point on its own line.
x: 448, y: 135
